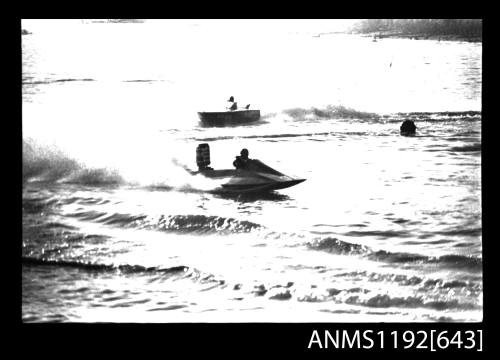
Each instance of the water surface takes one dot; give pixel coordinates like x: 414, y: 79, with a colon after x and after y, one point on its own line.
x: 386, y: 228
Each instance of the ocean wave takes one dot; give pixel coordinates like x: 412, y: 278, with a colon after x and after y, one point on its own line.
x: 461, y: 232
x: 158, y: 272
x: 204, y: 224
x: 38, y: 204
x: 200, y: 224
x: 420, y: 282
x: 442, y: 115
x: 437, y: 294
x: 335, y: 246
x: 53, y: 225
x: 453, y: 261
x: 381, y: 234
x: 466, y: 148
x: 385, y: 301
x: 89, y: 266
x: 339, y: 112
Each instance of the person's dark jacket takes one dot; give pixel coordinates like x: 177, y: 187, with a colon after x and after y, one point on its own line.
x: 241, y: 162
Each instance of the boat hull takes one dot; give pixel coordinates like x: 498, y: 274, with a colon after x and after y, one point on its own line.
x: 257, y: 188
x: 224, y: 118
x: 244, y: 182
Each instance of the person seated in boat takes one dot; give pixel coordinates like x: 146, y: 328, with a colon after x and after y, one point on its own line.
x: 233, y: 105
x: 242, y: 161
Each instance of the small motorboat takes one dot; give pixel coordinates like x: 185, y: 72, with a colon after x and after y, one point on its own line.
x: 257, y: 177
x: 230, y: 117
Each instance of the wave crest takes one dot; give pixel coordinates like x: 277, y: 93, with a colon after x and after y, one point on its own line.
x: 89, y: 266
x: 200, y: 224
x: 453, y: 261
x: 336, y: 246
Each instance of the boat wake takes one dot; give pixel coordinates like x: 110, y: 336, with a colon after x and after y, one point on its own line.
x: 50, y: 165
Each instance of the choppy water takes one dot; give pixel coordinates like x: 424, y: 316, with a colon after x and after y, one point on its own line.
x: 386, y: 228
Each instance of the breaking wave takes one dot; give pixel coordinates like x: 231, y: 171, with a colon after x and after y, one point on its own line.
x: 335, y: 246
x: 200, y: 224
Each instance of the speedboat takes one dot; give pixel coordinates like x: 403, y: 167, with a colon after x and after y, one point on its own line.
x: 230, y: 117
x: 256, y: 178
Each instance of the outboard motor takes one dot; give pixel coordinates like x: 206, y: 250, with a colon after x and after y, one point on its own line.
x: 203, y: 156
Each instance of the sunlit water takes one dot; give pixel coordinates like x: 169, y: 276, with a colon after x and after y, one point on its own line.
x: 386, y: 228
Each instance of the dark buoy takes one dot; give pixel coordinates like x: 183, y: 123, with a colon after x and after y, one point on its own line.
x: 408, y: 128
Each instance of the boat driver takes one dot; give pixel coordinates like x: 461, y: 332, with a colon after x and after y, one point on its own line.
x: 242, y: 161
x: 233, y: 105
